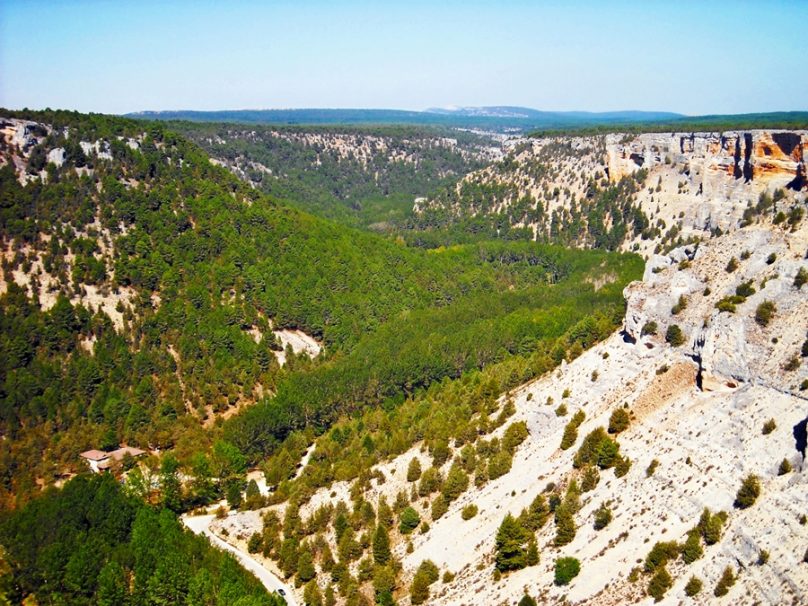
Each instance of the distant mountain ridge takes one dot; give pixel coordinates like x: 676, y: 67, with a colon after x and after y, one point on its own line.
x: 507, y: 111
x: 499, y: 118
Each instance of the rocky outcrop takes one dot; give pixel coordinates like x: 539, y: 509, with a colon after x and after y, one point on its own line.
x: 731, y: 347
x: 716, y: 164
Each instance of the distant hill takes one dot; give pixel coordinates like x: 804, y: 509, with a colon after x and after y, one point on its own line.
x: 499, y: 118
x: 507, y: 112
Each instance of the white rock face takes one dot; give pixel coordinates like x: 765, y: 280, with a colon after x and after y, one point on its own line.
x: 698, y: 410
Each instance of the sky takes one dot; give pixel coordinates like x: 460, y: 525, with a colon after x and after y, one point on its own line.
x: 118, y: 56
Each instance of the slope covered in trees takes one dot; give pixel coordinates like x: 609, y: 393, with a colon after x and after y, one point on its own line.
x: 359, y: 176
x: 137, y: 274
x: 89, y: 543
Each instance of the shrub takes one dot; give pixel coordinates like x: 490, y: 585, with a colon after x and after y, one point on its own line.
x: 622, y: 466
x: 469, y: 511
x: 681, y: 305
x: 426, y: 574
x: 710, y: 526
x: 801, y: 278
x: 570, y: 435
x: 659, y: 584
x: 785, y: 467
x: 457, y: 481
x: 566, y: 569
x: 732, y: 265
x: 693, y: 587
x: 590, y: 478
x: 660, y: 553
x: 763, y: 557
x: 619, y: 420
x: 565, y: 525
x: 571, y: 429
x: 649, y: 328
x: 769, y: 426
x: 745, y: 289
x: 430, y: 482
x: 674, y: 335
x: 765, y: 312
x: 535, y: 516
x: 748, y: 492
x: 649, y: 471
x: 561, y: 411
x: 692, y: 549
x: 793, y: 364
x: 255, y: 543
x: 603, y: 516
x: 726, y: 581
x: 532, y: 557
x: 408, y: 520
x: 414, y: 470
x: 527, y: 601
x: 439, y: 507
x: 514, y: 435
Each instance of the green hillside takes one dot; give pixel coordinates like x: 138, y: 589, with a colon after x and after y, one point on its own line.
x: 198, y: 259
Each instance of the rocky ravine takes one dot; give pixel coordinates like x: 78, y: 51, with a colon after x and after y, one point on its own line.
x: 693, y: 183
x: 698, y: 409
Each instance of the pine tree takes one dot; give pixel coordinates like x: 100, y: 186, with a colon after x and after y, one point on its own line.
x: 532, y: 557
x: 381, y: 546
x: 748, y: 492
x: 510, y: 542
x: 414, y: 470
x: 692, y: 549
x: 565, y: 525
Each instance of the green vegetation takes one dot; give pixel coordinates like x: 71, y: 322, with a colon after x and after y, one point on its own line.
x: 765, y: 312
x: 769, y: 426
x: 200, y: 259
x: 327, y: 171
x: 711, y: 525
x: 426, y: 575
x: 566, y: 569
x: 714, y: 123
x: 659, y: 584
x: 89, y: 543
x: 511, y: 540
x: 597, y: 448
x: 603, y: 516
x: 726, y: 581
x: 649, y: 328
x: 674, y: 335
x: 748, y: 492
x: 619, y: 420
x: 469, y: 511
x: 693, y: 587
x: 571, y: 430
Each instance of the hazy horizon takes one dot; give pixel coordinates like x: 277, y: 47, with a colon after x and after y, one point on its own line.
x: 691, y: 58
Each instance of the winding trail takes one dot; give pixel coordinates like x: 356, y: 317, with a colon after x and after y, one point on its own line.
x: 201, y: 525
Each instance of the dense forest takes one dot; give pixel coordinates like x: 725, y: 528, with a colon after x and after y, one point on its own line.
x: 142, y: 284
x: 155, y: 268
x: 358, y: 176
x: 92, y: 544
x: 796, y: 120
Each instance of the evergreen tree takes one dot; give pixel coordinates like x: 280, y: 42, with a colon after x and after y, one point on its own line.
x: 565, y: 525
x: 510, y: 545
x: 414, y: 470
x: 381, y: 546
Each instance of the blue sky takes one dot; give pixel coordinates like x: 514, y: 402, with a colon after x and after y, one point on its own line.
x: 120, y: 56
